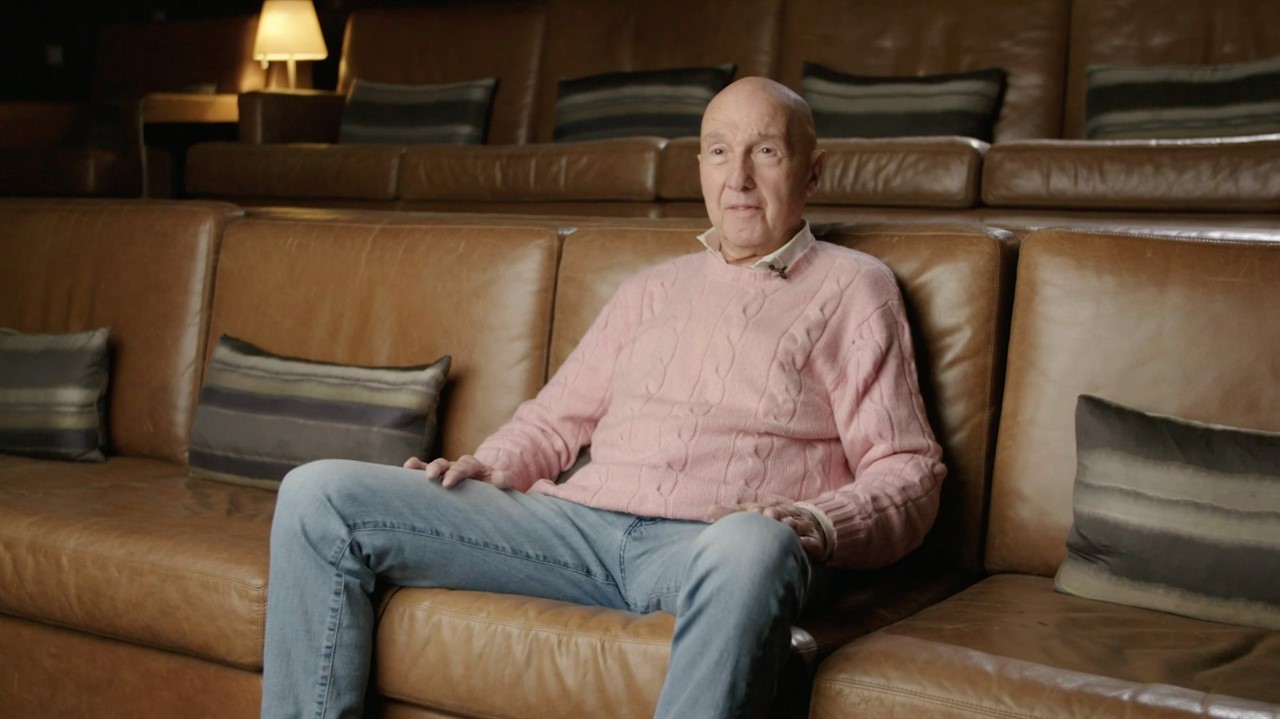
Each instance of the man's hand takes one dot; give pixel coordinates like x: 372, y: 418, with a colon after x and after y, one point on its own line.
x: 813, y: 540
x: 465, y: 467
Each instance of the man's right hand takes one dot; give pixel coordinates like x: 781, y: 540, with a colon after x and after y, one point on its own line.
x: 465, y: 467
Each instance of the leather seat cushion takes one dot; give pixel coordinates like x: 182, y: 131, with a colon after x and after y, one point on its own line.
x: 1010, y: 646
x: 133, y: 549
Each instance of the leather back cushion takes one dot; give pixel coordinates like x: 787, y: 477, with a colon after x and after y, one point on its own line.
x: 957, y: 282
x: 136, y: 58
x: 383, y: 292
x: 452, y: 41
x: 1025, y: 38
x: 588, y: 37
x: 143, y: 269
x: 1163, y: 32
x: 1178, y: 327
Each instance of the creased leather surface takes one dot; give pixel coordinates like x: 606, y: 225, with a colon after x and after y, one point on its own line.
x: 51, y: 673
x: 620, y: 169
x: 499, y: 655
x: 1182, y: 327
x: 1209, y: 175
x: 144, y: 269
x: 348, y: 172
x: 133, y: 549
x: 377, y: 294
x: 1011, y: 647
x: 933, y: 172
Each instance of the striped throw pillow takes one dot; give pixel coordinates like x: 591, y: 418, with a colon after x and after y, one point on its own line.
x: 260, y: 415
x: 662, y: 103
x: 964, y: 104
x: 1182, y: 101
x: 1176, y: 516
x: 391, y: 114
x: 53, y: 394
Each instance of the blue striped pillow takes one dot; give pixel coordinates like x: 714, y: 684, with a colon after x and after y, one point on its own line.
x: 662, y: 103
x: 390, y: 114
x: 1173, y: 515
x: 260, y: 415
x: 53, y: 394
x: 964, y: 104
x: 1180, y: 101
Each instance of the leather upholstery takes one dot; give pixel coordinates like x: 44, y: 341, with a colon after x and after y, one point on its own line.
x: 1027, y: 38
x: 345, y: 172
x: 298, y: 116
x: 1128, y: 318
x: 59, y: 674
x: 620, y: 169
x: 75, y: 266
x: 141, y: 554
x: 1010, y: 646
x: 501, y: 39
x: 1165, y: 324
x: 393, y: 295
x: 587, y: 37
x: 1163, y: 32
x: 1214, y: 175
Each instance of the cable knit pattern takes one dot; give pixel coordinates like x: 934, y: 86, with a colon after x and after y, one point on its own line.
x: 703, y: 383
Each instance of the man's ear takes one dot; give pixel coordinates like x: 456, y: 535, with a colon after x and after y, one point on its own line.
x: 816, y: 166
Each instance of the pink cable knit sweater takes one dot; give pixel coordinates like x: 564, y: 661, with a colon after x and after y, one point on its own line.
x: 703, y: 383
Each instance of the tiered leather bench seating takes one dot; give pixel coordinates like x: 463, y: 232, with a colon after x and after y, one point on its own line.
x: 129, y: 589
x: 1038, y: 170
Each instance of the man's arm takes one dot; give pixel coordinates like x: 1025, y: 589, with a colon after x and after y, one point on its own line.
x: 896, y: 462
x: 543, y: 437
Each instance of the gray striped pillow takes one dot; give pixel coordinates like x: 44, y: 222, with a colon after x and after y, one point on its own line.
x: 53, y: 394
x: 662, y: 103
x: 391, y: 114
x: 1174, y: 515
x: 260, y: 415
x: 1182, y: 100
x: 963, y: 104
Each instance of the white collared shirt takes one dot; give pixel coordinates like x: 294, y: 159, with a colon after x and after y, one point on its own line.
x: 781, y: 258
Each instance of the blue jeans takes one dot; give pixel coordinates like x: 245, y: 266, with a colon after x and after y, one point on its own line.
x: 735, y: 586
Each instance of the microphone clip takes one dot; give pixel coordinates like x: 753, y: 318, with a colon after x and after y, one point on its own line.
x: 780, y: 271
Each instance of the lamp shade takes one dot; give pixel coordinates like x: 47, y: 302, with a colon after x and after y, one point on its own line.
x: 289, y: 30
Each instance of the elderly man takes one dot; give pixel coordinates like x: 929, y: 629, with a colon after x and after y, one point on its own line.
x: 752, y: 411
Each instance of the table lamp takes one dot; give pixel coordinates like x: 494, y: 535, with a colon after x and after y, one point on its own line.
x: 289, y: 30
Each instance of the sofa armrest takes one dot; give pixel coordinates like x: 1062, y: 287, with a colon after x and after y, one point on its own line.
x: 1235, y: 174
x: 294, y: 116
x: 900, y: 172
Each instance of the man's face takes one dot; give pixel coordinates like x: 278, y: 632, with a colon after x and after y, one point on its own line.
x: 754, y: 180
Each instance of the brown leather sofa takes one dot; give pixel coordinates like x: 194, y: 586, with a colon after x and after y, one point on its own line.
x: 129, y: 589
x: 1037, y: 172
x: 1148, y: 321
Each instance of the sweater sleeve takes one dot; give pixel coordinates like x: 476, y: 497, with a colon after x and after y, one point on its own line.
x: 544, y: 435
x: 889, y: 506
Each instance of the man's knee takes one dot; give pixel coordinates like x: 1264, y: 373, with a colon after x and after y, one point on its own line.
x: 315, y: 486
x: 751, y: 543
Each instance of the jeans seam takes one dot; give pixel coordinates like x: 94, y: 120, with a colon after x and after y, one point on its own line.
x: 335, y: 621
x: 473, y: 543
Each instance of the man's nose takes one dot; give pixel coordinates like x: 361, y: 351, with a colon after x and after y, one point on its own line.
x: 740, y: 173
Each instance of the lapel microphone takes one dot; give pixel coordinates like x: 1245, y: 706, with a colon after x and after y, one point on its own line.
x: 780, y: 271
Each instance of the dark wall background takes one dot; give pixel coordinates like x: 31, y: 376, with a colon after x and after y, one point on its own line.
x: 47, y: 46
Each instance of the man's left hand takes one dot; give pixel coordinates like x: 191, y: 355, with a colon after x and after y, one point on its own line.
x: 801, y: 521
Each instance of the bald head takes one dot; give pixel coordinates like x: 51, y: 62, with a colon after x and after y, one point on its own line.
x: 763, y: 92
x: 759, y: 163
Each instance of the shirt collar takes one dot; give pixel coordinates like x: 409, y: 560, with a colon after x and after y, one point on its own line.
x: 781, y: 258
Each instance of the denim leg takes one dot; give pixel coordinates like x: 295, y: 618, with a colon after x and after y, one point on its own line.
x: 339, y: 525
x: 735, y: 588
